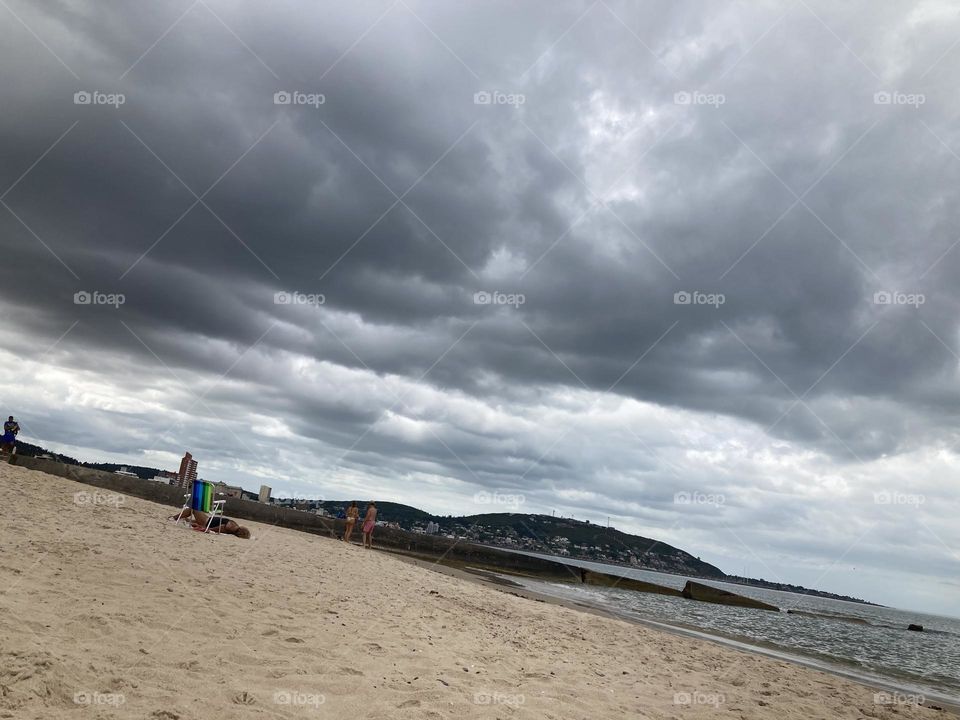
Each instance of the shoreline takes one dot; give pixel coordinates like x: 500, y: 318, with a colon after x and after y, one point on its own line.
x: 121, y: 606
x: 490, y: 579
x: 726, y: 579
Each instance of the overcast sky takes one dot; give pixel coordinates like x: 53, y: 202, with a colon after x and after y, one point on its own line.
x: 689, y: 265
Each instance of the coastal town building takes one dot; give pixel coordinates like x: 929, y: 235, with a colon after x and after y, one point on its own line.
x: 230, y: 491
x: 188, y: 471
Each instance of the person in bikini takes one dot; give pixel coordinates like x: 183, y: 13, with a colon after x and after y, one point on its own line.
x: 218, y: 524
x: 353, y: 514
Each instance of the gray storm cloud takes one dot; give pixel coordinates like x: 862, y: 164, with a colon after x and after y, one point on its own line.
x: 731, y: 229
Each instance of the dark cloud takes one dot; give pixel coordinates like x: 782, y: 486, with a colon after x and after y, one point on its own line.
x: 735, y: 152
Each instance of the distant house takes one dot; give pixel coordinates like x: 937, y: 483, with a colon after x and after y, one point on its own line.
x: 124, y: 472
x: 230, y: 491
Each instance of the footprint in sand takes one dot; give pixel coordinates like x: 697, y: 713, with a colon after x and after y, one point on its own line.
x: 244, y: 698
x: 351, y: 671
x: 164, y: 715
x: 293, y: 640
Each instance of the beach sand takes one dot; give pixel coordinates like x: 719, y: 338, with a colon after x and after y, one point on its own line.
x: 108, y: 610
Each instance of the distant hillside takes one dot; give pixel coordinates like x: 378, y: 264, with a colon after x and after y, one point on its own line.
x: 796, y: 589
x: 551, y: 535
x: 404, y: 515
x: 596, y: 540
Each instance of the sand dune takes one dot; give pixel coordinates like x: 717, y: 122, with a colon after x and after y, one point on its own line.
x: 109, y: 611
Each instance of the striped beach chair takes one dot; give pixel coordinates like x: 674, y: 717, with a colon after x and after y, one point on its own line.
x: 200, y: 498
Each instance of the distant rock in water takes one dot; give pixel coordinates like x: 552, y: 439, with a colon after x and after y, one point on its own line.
x: 838, y: 618
x: 706, y: 593
x: 915, y: 628
x: 589, y: 577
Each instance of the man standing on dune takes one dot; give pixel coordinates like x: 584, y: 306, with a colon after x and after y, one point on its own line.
x: 8, y: 444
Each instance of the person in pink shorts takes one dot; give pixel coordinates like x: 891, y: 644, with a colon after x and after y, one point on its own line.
x: 369, y: 523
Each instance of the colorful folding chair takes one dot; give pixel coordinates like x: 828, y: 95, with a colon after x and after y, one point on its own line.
x: 200, y: 498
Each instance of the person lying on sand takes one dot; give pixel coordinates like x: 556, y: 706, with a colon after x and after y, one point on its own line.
x: 218, y: 524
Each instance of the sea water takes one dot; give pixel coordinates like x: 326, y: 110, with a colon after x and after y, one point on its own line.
x: 863, y: 641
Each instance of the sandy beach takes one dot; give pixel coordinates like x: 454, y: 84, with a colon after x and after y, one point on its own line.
x: 108, y: 610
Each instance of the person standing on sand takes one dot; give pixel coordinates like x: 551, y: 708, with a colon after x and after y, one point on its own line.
x: 9, y: 443
x: 369, y: 523
x: 353, y: 514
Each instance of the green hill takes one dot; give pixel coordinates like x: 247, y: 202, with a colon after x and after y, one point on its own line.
x: 547, y: 534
